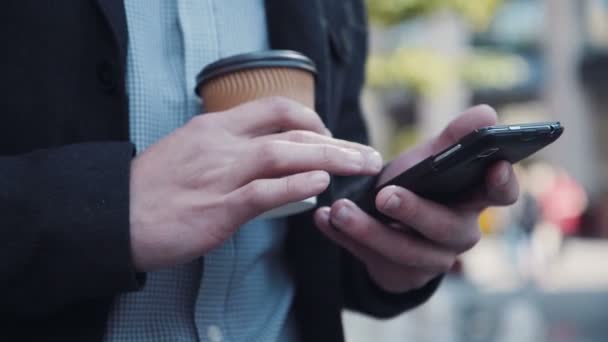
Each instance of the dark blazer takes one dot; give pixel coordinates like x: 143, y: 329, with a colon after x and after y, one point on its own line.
x: 65, y: 158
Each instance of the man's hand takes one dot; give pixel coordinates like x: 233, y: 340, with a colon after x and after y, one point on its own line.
x: 193, y: 189
x: 398, y: 261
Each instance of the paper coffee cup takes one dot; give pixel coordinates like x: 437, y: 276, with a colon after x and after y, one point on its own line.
x: 235, y: 80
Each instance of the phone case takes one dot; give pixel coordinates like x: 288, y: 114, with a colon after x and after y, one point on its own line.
x: 454, y: 172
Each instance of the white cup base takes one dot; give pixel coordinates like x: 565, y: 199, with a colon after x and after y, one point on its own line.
x: 290, y: 208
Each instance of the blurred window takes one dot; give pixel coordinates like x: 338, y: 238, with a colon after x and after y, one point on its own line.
x: 595, y: 19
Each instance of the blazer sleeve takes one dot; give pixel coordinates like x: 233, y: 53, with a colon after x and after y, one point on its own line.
x: 64, y: 223
x: 360, y: 292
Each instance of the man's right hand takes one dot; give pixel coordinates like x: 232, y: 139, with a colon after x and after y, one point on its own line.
x: 193, y: 189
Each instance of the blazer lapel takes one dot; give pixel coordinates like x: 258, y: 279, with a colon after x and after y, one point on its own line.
x: 300, y: 26
x: 115, y: 16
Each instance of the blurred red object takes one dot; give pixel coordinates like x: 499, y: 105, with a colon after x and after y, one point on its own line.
x: 563, y: 203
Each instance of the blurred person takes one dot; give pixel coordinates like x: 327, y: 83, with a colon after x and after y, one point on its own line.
x: 101, y: 243
x: 523, y: 219
x: 524, y: 215
x: 563, y: 202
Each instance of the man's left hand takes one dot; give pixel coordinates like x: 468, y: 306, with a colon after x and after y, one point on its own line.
x: 399, y: 261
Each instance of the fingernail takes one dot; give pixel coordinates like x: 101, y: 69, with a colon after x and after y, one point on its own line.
x: 503, y: 177
x: 320, y: 178
x: 392, y: 203
x: 355, y: 159
x: 374, y: 161
x: 340, y: 218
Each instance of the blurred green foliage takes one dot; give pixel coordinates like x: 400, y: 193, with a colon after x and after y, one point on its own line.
x: 427, y: 72
x: 403, y: 139
x: 390, y: 12
x: 486, y: 69
x: 420, y: 70
x: 424, y: 71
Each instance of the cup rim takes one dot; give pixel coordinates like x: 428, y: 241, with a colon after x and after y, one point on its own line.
x: 255, y: 60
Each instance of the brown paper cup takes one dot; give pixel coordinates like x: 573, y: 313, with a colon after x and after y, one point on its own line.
x: 235, y: 80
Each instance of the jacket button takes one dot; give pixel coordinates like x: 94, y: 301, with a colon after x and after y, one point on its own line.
x: 106, y: 75
x: 214, y: 333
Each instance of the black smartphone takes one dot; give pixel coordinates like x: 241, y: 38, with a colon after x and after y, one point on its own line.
x: 458, y: 170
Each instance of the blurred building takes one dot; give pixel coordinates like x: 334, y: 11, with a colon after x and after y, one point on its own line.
x: 537, y: 60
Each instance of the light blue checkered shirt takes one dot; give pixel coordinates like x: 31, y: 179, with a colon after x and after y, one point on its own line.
x: 244, y: 293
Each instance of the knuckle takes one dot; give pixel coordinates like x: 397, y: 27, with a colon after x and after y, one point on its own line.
x: 227, y: 223
x: 254, y: 193
x: 282, y: 107
x: 471, y: 239
x: 278, y: 103
x: 268, y: 154
x: 291, y: 113
x: 291, y: 188
x: 299, y: 136
x: 200, y: 122
x: 194, y: 145
x: 286, y: 120
x: 326, y: 155
x: 363, y: 232
x: 267, y: 149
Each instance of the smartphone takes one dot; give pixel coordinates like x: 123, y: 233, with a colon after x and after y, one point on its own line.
x: 461, y: 168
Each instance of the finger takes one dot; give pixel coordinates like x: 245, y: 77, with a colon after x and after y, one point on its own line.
x: 398, y: 247
x: 322, y: 220
x: 501, y: 184
x: 372, y: 156
x: 387, y: 274
x: 279, y: 158
x: 501, y: 188
x: 307, y: 137
x: 270, y: 115
x: 262, y: 195
x: 458, y: 231
x: 470, y: 120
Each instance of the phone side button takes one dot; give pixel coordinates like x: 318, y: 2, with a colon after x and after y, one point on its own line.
x: 447, y: 153
x: 488, y: 152
x: 528, y: 138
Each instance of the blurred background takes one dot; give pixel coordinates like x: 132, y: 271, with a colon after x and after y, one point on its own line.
x: 541, y: 270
